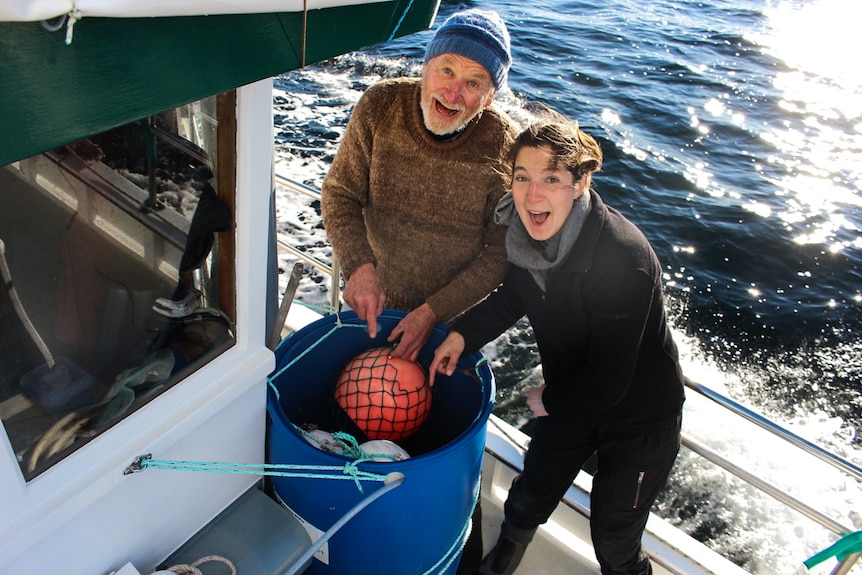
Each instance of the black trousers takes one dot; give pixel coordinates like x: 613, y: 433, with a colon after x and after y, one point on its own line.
x: 633, y: 464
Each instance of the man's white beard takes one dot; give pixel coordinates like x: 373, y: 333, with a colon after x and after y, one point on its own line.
x: 427, y: 103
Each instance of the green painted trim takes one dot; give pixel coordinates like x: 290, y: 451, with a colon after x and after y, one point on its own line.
x: 120, y: 70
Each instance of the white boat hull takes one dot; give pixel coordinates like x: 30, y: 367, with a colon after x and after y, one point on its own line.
x: 35, y: 10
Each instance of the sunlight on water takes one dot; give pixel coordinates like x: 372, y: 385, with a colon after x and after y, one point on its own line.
x: 822, y: 96
x: 803, y: 174
x: 736, y: 523
x: 819, y: 36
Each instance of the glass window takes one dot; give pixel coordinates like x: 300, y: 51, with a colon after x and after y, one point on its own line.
x: 114, y: 287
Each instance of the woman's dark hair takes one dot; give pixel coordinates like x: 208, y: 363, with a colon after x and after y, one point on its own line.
x: 571, y: 148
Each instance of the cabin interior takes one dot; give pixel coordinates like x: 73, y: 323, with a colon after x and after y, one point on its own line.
x: 93, y: 234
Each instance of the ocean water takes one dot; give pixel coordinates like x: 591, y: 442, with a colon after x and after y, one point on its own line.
x: 732, y: 133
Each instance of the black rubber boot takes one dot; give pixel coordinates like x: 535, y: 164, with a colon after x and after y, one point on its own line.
x: 506, y: 555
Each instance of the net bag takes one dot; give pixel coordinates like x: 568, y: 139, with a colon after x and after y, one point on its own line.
x: 384, y: 397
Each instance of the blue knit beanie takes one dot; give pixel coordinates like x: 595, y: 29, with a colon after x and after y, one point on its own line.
x: 479, y: 35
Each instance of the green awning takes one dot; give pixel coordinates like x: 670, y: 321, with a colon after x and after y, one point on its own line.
x: 118, y: 70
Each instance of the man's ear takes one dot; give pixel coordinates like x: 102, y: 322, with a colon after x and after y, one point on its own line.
x: 490, y: 98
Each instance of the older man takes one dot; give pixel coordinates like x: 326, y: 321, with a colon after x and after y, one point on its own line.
x: 408, y: 203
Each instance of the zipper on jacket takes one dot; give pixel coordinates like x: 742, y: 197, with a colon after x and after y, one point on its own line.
x: 638, y: 490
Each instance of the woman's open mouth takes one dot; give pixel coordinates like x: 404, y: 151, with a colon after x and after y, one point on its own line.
x: 539, y: 218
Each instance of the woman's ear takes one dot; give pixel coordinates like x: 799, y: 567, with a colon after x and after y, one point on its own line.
x: 582, y: 185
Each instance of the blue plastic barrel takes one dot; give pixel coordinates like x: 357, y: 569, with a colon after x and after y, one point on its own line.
x: 418, y: 527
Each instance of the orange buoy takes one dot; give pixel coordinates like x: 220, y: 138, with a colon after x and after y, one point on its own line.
x: 386, y: 397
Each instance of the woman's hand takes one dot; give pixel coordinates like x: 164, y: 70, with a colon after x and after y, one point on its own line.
x: 446, y: 356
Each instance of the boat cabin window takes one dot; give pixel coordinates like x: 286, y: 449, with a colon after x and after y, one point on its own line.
x: 117, y: 271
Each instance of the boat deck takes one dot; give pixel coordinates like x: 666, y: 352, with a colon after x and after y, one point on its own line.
x: 554, y: 550
x: 562, y: 545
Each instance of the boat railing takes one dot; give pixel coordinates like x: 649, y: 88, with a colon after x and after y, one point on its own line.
x: 845, y: 564
x: 333, y: 271
x: 690, y: 443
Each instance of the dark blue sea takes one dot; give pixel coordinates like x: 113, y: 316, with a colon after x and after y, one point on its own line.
x: 732, y: 134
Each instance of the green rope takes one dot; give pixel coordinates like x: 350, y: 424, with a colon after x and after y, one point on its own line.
x: 271, y: 379
x: 459, y: 543
x: 349, y: 470
x: 319, y: 309
x: 842, y: 549
x: 350, y: 445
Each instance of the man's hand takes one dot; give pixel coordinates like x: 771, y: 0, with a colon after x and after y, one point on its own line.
x: 534, y: 400
x: 364, y: 294
x: 446, y: 356
x: 413, y: 331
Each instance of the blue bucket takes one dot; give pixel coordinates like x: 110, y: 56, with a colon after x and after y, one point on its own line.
x: 420, y: 526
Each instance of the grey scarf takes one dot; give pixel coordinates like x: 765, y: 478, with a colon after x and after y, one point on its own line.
x: 540, y: 257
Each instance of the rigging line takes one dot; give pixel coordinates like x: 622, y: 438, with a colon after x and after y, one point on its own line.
x: 304, y: 29
x: 349, y: 471
x: 400, y: 20
x: 222, y: 467
x: 311, y: 347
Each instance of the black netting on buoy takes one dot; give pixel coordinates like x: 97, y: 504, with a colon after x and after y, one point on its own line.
x: 384, y: 397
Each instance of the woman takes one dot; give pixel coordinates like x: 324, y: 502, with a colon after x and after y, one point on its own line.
x: 590, y: 284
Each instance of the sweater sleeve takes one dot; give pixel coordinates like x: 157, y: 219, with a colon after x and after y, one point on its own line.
x: 480, y: 277
x: 345, y: 189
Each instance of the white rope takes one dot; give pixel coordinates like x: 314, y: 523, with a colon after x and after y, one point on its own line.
x: 74, y: 16
x: 183, y: 569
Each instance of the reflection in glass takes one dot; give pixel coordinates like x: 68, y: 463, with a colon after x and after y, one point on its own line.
x: 107, y: 252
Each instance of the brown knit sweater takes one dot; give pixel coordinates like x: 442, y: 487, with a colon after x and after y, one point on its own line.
x: 418, y: 208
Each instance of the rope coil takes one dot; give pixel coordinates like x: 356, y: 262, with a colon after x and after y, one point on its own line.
x: 192, y: 569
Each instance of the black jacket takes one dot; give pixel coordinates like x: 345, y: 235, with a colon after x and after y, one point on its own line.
x: 600, y: 327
